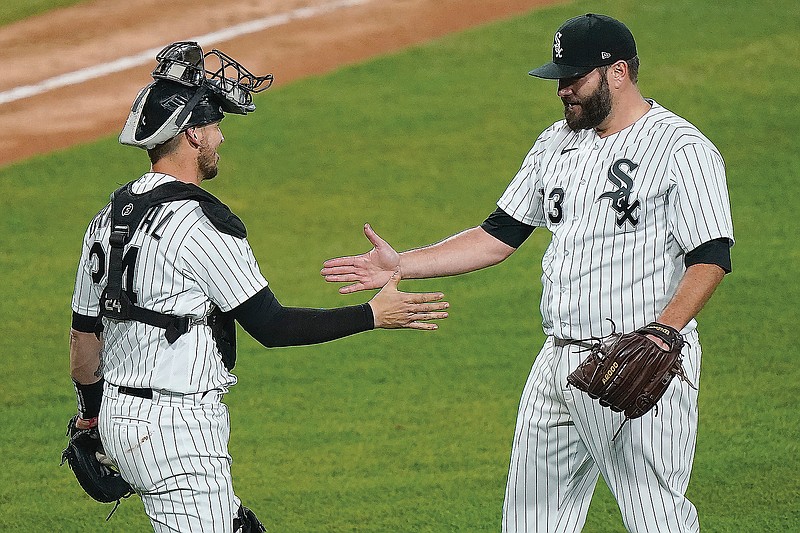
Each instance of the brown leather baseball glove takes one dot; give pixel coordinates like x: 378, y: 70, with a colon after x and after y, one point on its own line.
x: 630, y: 372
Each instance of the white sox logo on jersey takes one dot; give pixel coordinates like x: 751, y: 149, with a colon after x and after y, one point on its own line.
x: 557, y: 45
x: 620, y: 199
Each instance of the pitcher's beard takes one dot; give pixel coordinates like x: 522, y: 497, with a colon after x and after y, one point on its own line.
x: 594, y: 109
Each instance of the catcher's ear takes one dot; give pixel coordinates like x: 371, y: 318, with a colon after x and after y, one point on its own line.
x: 191, y: 136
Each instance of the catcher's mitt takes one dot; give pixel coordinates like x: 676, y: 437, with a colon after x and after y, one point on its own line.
x: 99, y: 480
x: 629, y: 373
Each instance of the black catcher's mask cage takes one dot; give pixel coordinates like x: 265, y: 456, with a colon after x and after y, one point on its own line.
x: 235, y: 83
x: 227, y: 88
x: 181, y: 62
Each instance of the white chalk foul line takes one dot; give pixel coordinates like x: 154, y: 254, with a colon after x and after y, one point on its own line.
x: 124, y: 63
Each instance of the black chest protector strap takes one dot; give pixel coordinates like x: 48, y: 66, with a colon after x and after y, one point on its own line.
x: 127, y: 212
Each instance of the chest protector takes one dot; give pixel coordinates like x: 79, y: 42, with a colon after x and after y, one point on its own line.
x: 127, y: 212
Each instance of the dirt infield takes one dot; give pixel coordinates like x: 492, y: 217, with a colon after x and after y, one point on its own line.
x: 100, y: 31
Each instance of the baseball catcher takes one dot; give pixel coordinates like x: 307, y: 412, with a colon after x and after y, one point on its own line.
x: 630, y: 372
x: 192, y: 88
x: 166, y: 272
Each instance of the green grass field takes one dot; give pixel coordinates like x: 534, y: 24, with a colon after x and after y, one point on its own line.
x: 14, y: 10
x: 407, y: 431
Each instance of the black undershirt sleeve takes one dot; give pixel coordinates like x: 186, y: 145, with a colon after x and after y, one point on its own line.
x: 506, y: 228
x: 84, y: 323
x: 273, y: 325
x: 716, y: 252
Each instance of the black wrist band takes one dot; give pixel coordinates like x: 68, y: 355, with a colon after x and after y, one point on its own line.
x: 89, y: 398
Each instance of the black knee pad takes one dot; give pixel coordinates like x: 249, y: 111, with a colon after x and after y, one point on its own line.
x: 247, y: 522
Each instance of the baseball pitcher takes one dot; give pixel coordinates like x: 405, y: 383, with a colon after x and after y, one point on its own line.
x: 635, y: 198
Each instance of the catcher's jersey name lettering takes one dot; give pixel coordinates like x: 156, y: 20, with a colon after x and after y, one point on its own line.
x: 150, y: 217
x: 100, y: 221
x: 151, y: 224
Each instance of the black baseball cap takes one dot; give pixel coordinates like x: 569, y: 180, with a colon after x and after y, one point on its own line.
x: 584, y: 43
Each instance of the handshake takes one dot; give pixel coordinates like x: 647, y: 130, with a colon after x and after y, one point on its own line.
x: 380, y: 269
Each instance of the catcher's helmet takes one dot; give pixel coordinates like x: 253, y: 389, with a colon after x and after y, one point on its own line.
x: 185, y: 94
x: 165, y: 108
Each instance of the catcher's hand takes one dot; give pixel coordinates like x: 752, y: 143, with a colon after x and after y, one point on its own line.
x: 86, y: 458
x: 629, y: 373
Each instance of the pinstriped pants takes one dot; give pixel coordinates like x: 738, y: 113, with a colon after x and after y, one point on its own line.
x: 563, y: 443
x: 173, y: 450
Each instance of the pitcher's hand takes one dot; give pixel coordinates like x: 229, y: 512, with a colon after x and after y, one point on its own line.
x: 370, y: 270
x: 395, y: 309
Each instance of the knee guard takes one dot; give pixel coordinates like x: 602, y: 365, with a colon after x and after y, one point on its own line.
x: 247, y: 522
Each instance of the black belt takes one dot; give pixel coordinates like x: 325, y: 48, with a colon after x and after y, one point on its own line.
x: 133, y: 391
x: 561, y: 343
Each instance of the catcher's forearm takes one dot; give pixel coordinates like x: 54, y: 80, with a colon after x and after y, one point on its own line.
x: 84, y: 357
x: 693, y: 292
x: 84, y: 365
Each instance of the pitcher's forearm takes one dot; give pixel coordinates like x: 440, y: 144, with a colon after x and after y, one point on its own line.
x: 693, y: 292
x: 470, y: 250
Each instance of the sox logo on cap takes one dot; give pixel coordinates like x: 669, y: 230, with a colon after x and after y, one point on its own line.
x: 557, y: 44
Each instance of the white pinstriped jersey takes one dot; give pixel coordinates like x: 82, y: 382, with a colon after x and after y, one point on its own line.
x: 623, y: 212
x: 184, y: 266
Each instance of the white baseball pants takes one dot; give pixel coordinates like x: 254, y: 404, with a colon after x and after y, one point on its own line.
x: 563, y: 442
x: 173, y: 450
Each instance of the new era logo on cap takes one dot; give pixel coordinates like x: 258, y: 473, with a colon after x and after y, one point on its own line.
x: 584, y: 43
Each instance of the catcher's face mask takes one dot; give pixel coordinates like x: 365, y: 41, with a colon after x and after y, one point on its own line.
x: 186, y: 94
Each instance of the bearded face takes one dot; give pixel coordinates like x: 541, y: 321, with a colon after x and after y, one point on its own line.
x: 207, y: 161
x: 207, y: 157
x: 587, y: 112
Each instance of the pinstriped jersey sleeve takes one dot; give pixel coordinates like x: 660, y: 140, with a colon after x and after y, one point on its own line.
x: 700, y: 197
x: 223, y: 266
x: 86, y: 296
x: 522, y: 199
